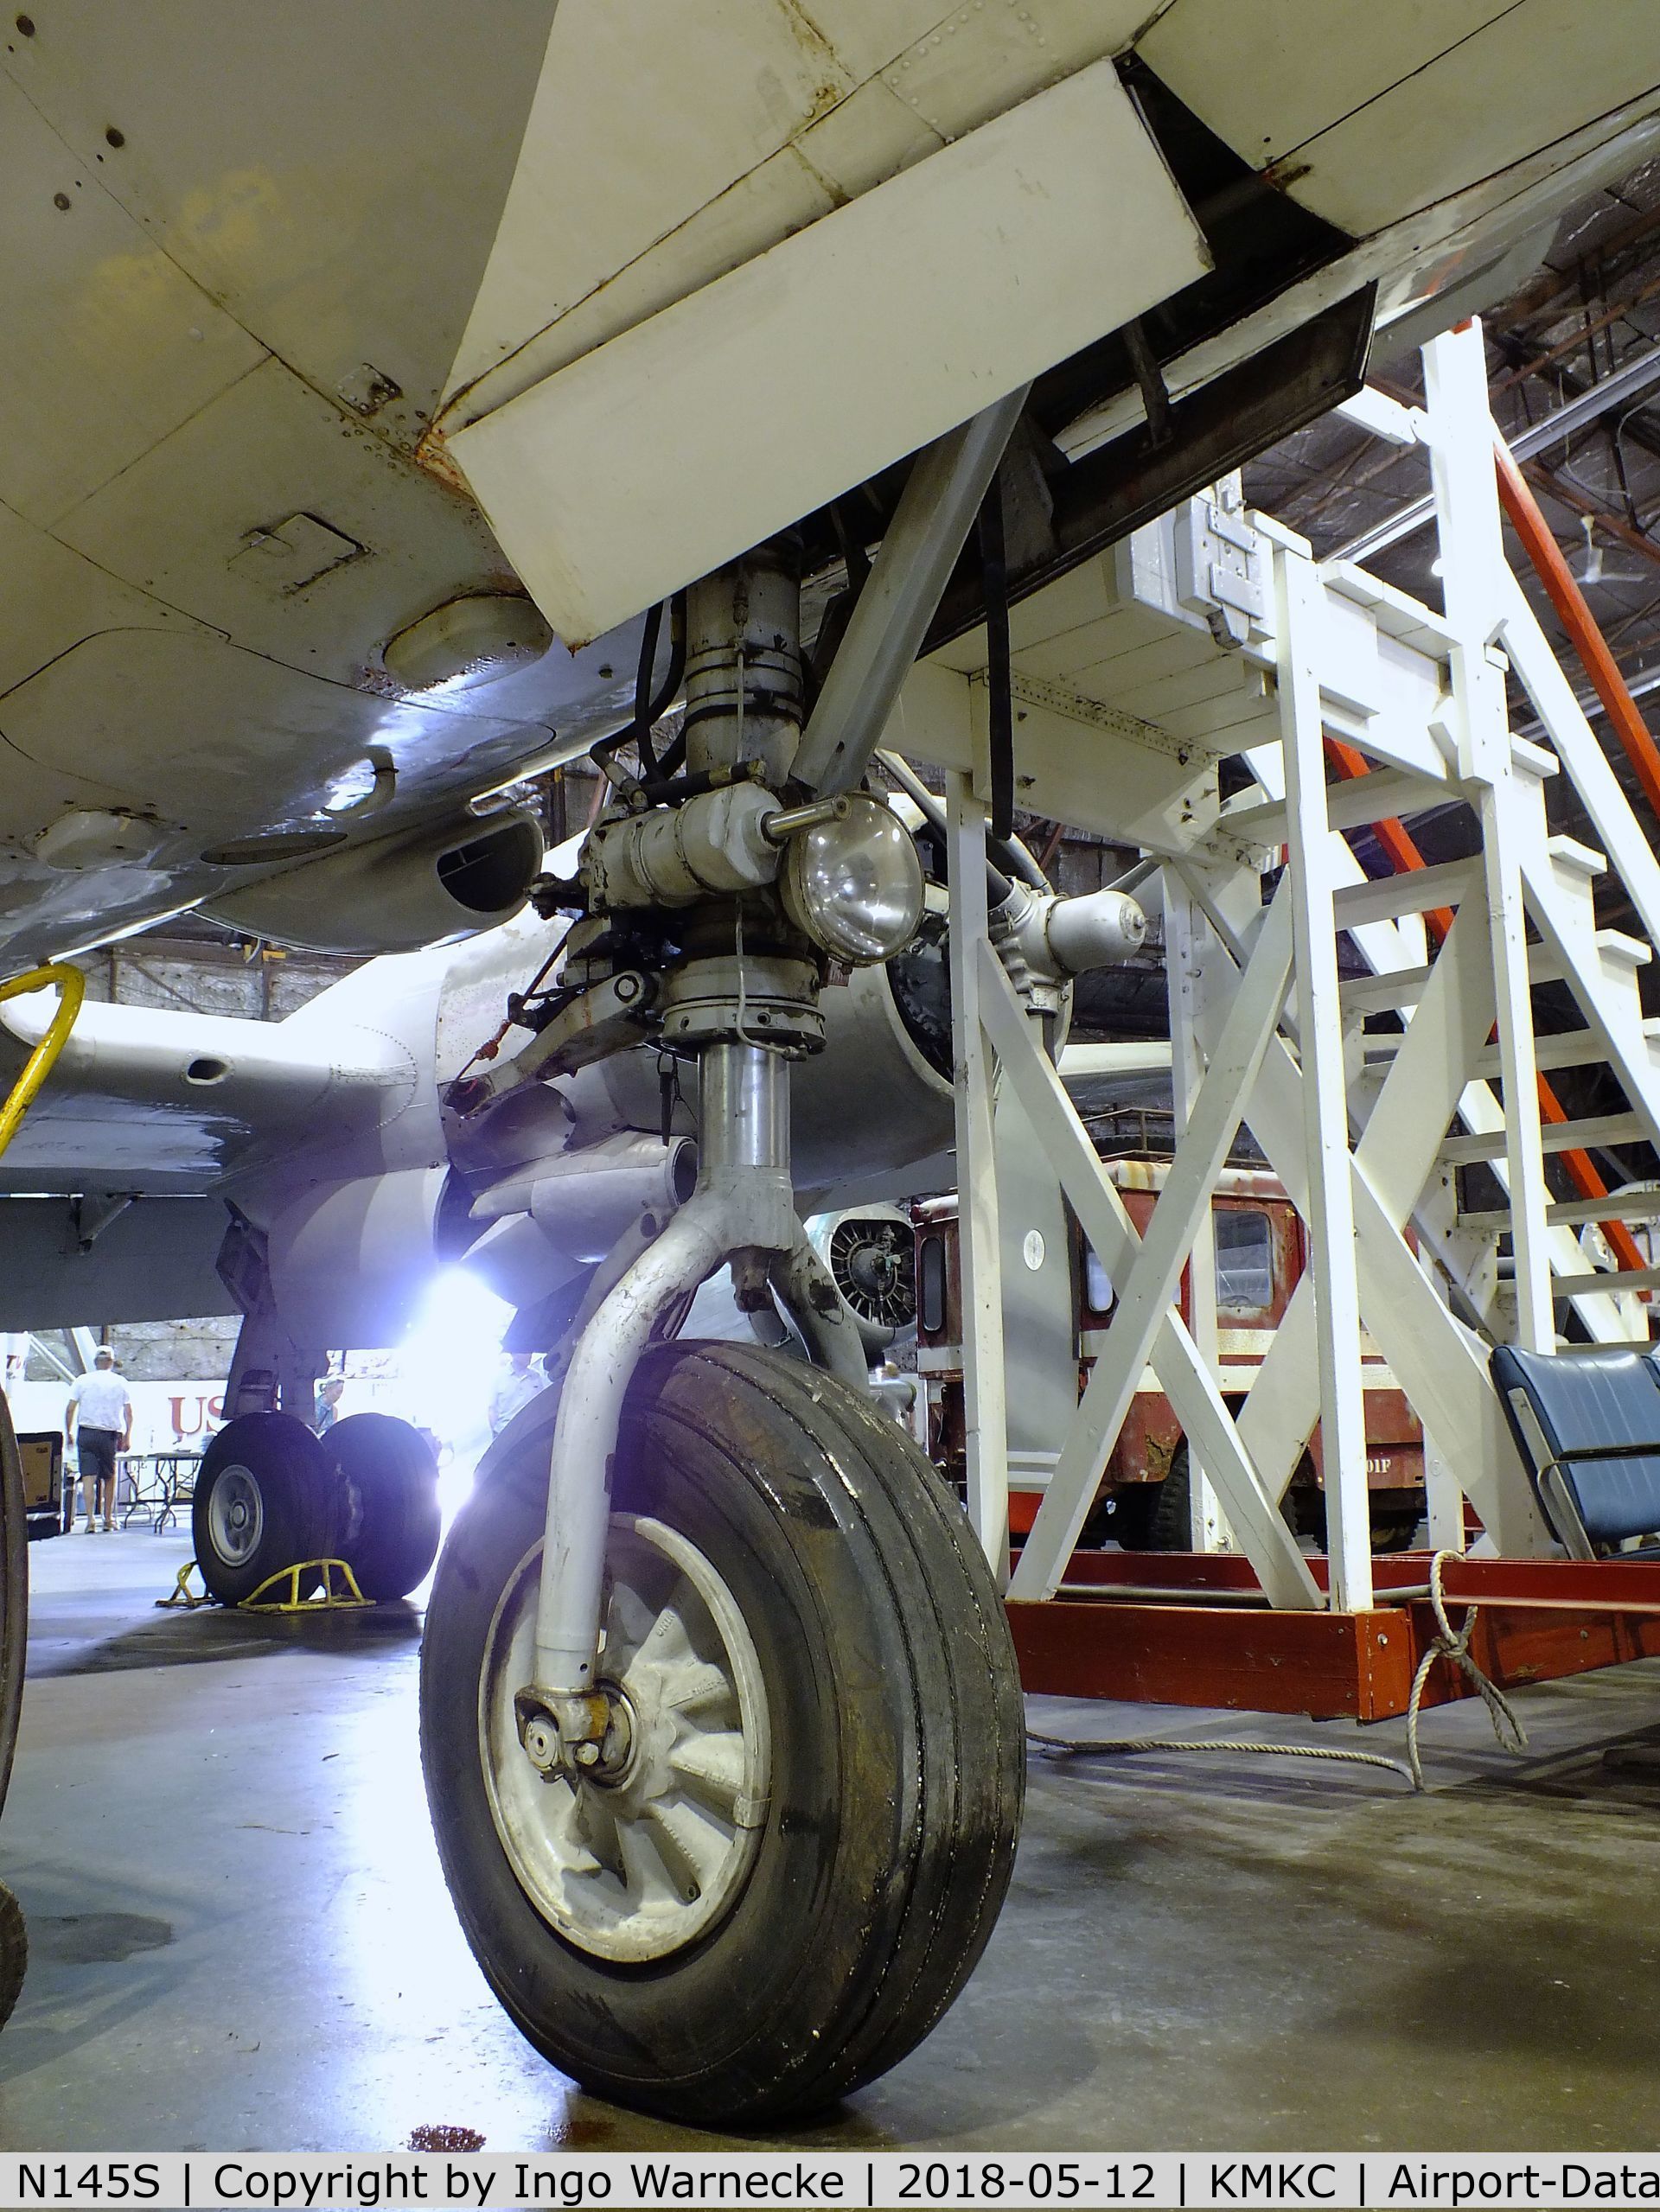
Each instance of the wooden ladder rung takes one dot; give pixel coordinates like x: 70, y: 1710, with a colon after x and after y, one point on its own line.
x: 1559, y: 1137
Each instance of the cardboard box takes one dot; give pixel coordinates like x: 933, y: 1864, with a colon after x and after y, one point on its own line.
x: 41, y: 1453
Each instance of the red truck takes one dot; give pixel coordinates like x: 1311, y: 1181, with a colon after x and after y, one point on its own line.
x: 1143, y: 1504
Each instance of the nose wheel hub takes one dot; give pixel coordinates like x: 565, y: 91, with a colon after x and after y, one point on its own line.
x: 638, y: 1840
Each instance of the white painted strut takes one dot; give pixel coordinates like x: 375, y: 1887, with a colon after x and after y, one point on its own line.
x: 743, y: 1202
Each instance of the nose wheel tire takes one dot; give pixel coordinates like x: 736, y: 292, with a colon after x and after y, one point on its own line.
x: 263, y: 1501
x: 388, y: 1485
x: 798, y: 1839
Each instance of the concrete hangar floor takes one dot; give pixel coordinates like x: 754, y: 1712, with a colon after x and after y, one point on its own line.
x: 239, y: 1936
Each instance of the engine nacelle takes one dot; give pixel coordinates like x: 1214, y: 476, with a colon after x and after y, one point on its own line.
x: 545, y: 1227
x: 350, y: 1262
x: 395, y: 894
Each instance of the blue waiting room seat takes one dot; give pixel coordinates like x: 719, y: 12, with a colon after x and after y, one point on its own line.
x: 1587, y: 1423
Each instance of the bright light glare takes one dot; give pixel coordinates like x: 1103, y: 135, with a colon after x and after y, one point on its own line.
x: 450, y: 1362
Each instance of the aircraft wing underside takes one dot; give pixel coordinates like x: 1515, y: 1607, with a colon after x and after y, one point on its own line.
x: 325, y: 346
x: 149, y: 1103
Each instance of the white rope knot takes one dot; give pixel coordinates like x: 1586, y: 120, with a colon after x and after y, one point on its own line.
x: 1454, y: 1644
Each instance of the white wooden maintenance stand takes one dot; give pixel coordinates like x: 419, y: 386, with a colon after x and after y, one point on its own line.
x: 1215, y: 631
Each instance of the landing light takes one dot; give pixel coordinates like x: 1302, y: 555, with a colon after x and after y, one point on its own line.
x: 854, y: 883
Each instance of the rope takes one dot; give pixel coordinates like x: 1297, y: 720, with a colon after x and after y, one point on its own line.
x: 1125, y: 1746
x: 1450, y: 1643
x: 1454, y: 1644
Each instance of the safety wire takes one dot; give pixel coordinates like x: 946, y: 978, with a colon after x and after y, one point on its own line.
x: 1449, y: 1643
x: 737, y: 939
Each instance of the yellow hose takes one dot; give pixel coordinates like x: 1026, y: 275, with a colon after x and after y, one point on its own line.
x: 70, y: 986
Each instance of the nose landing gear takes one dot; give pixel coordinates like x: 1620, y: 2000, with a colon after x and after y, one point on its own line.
x: 720, y: 1718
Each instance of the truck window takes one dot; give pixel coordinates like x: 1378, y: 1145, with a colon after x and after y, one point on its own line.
x: 1244, y: 1258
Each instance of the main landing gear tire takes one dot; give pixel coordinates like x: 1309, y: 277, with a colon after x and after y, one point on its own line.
x: 14, y: 1953
x: 791, y: 1879
x: 1155, y: 1516
x: 1170, y: 1528
x: 388, y: 1490
x: 263, y: 1500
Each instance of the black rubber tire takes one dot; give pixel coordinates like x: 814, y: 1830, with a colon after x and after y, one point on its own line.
x: 14, y: 1953
x: 14, y: 1593
x: 1158, y: 1520
x: 1394, y: 1531
x: 388, y: 1494
x: 897, y: 1732
x: 1388, y: 1532
x: 296, y: 1501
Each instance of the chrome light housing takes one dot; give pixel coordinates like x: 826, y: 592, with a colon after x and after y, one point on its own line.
x: 854, y: 883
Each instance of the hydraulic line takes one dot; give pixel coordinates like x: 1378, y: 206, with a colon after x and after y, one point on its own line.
x: 642, y: 717
x: 1448, y: 1642
x: 70, y: 986
x: 647, y: 709
x: 994, y: 581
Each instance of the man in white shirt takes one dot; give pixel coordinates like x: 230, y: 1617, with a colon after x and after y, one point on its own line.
x: 102, y: 1405
x: 515, y: 1385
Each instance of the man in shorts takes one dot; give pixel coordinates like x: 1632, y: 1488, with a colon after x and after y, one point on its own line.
x: 100, y: 1403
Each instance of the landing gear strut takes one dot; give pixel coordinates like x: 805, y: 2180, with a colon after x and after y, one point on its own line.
x: 720, y: 1719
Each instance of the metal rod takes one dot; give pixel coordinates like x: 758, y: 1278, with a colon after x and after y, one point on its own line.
x: 779, y: 828
x: 930, y: 528
x: 986, y: 1446
x: 1569, y: 602
x: 1006, y: 858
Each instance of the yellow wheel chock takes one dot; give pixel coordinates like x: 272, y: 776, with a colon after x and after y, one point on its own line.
x: 70, y: 986
x: 330, y: 1600
x: 181, y: 1592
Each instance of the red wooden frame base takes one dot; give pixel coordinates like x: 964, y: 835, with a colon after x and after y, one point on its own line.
x: 1193, y: 1629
